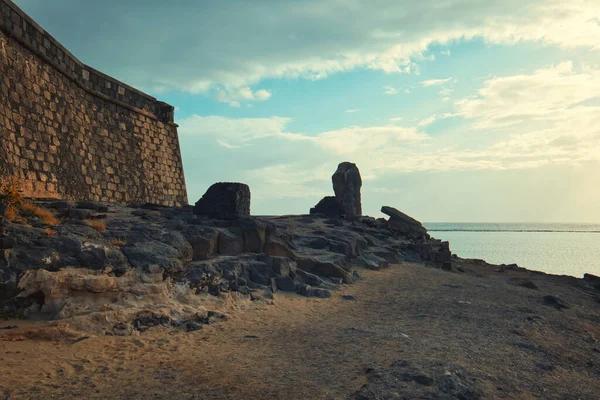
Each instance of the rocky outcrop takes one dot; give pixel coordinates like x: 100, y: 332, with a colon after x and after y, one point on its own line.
x: 347, y: 202
x: 113, y: 254
x: 401, y: 224
x: 328, y: 206
x: 224, y: 200
x: 346, y: 185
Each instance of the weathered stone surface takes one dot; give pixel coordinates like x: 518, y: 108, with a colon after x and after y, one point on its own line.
x: 106, y: 142
x: 346, y: 185
x: 309, y: 291
x: 324, y: 268
x: 276, y: 247
x: 327, y: 206
x: 285, y: 283
x: 231, y: 241
x: 254, y: 233
x: 404, y: 225
x: 224, y: 200
x: 283, y: 266
x: 205, y: 244
x: 426, y: 381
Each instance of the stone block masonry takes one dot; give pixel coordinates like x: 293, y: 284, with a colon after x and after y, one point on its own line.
x: 69, y: 131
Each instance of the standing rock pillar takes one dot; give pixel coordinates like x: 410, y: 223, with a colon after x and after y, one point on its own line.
x: 346, y: 185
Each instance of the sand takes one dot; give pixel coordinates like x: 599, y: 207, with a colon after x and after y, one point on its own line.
x: 511, y: 344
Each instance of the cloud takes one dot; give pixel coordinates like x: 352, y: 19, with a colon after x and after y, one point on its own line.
x: 427, y: 121
x: 434, y: 82
x: 391, y: 90
x: 354, y: 110
x: 445, y: 53
x: 396, y: 119
x: 560, y: 126
x: 201, y: 46
x: 446, y: 91
x: 235, y: 96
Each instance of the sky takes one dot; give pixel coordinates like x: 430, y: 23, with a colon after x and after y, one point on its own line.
x: 454, y: 110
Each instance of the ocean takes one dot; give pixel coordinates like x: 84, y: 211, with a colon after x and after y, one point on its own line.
x: 560, y: 249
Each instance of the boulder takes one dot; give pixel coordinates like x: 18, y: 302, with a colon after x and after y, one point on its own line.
x: 225, y: 200
x: 327, y: 206
x: 404, y: 225
x: 346, y: 185
x: 324, y: 268
x: 309, y: 291
x: 285, y: 283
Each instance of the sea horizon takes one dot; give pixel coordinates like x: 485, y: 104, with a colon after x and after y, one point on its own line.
x: 554, y: 248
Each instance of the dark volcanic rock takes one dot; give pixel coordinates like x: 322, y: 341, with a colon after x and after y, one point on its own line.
x: 327, y: 206
x: 555, y: 302
x: 309, y: 291
x: 225, y: 200
x: 346, y: 185
x: 432, y: 381
x: 285, y: 283
x: 404, y: 225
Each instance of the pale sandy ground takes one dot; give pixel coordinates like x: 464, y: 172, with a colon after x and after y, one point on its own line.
x: 298, y: 348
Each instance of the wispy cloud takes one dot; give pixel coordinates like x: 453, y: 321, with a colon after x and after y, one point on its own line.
x: 391, y: 90
x: 427, y: 121
x: 235, y: 96
x: 353, y: 110
x: 434, y: 82
x: 445, y: 53
x: 219, y: 52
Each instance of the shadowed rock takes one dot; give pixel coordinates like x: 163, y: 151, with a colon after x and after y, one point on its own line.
x: 224, y: 200
x: 327, y: 206
x: 346, y: 185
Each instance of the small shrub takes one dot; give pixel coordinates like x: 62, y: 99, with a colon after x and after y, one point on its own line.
x: 118, y: 242
x: 49, y: 232
x: 98, y: 225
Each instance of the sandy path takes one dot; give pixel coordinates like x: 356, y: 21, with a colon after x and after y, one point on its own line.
x: 311, y: 348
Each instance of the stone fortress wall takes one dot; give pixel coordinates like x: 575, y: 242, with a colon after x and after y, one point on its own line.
x: 69, y: 131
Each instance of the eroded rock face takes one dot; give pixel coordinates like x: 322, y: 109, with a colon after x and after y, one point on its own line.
x: 225, y: 200
x: 346, y: 185
x: 161, y: 253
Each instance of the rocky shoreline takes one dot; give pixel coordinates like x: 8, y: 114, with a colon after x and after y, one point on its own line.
x: 113, y: 270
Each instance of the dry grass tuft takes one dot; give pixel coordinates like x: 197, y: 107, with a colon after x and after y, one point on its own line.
x: 10, y: 196
x: 98, y: 225
x: 46, y: 216
x: 11, y: 214
x: 10, y: 191
x: 55, y: 333
x: 49, y: 232
x: 118, y: 242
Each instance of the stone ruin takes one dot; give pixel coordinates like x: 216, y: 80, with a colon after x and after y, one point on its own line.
x: 225, y: 200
